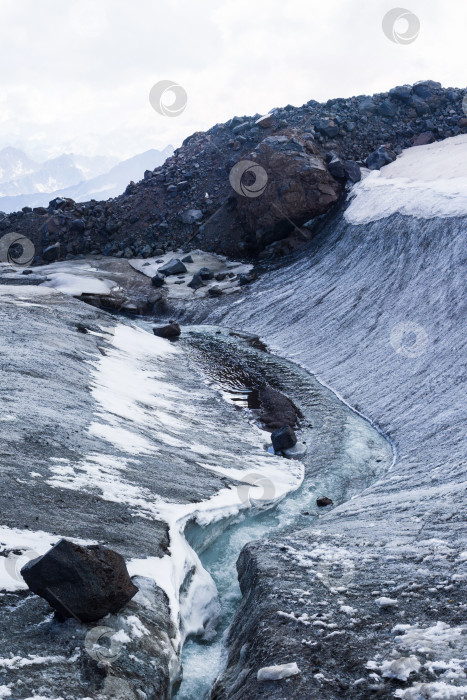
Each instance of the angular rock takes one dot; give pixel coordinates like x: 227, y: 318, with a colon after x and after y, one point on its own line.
x: 173, y: 267
x: 352, y: 171
x: 424, y: 139
x: 187, y: 259
x: 196, y: 282
x: 337, y: 169
x: 387, y: 109
x: 265, y: 122
x: 382, y: 156
x: 283, y: 439
x: 327, y: 128
x: 191, y: 216
x: 172, y: 330
x: 215, y: 291
x: 206, y: 274
x: 401, y: 93
x: 78, y: 226
x: 86, y: 583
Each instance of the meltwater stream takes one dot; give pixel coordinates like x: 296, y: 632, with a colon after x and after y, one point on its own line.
x: 344, y: 455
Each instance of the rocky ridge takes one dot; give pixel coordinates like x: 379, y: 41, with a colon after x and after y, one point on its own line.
x: 190, y: 197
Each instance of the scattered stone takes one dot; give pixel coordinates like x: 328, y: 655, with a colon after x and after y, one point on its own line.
x: 187, y: 259
x: 173, y: 267
x: 283, y: 439
x: 172, y: 330
x: 247, y: 278
x: 158, y: 280
x: 191, y: 216
x: 220, y: 277
x: 78, y: 226
x: 336, y: 168
x: 324, y: 501
x: 352, y: 171
x: 82, y: 582
x: 206, y: 274
x: 196, y: 282
x: 424, y: 139
x: 215, y: 291
x: 327, y: 128
x: 265, y: 122
x: 382, y: 156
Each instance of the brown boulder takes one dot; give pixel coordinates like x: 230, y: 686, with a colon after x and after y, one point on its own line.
x: 286, y: 185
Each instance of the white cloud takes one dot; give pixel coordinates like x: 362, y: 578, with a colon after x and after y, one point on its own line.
x: 77, y: 74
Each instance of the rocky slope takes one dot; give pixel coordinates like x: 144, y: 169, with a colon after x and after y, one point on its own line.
x: 191, y: 195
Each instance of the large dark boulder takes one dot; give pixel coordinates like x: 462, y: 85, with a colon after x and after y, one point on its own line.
x: 172, y: 330
x: 297, y: 187
x: 275, y: 408
x: 86, y: 583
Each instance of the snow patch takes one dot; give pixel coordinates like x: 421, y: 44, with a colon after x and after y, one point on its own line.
x: 425, y: 181
x: 277, y: 673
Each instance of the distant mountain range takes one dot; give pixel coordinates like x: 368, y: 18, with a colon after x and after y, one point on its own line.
x: 24, y: 182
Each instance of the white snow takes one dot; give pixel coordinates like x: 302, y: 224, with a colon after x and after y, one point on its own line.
x: 277, y: 673
x: 440, y: 639
x: 432, y: 691
x: 75, y: 285
x: 424, y: 181
x: 400, y: 668
x: 384, y: 602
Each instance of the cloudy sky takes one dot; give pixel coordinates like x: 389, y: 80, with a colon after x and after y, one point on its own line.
x: 76, y: 74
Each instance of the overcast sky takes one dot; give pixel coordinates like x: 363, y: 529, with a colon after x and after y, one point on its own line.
x: 76, y: 74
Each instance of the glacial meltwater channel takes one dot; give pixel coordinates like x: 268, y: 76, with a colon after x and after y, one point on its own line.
x: 344, y: 455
